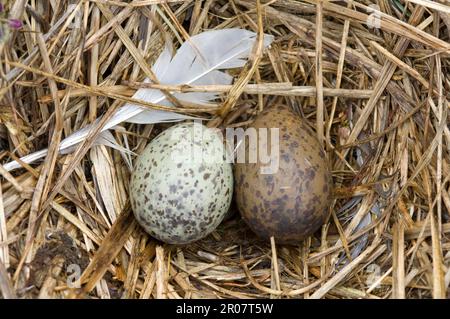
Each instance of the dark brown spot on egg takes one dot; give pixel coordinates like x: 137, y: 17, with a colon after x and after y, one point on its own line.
x: 285, y: 157
x: 310, y: 174
x: 173, y: 188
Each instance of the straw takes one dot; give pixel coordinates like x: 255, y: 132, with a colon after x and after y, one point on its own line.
x: 372, y: 81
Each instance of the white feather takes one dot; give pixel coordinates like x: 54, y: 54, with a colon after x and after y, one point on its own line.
x: 106, y: 138
x: 197, y: 61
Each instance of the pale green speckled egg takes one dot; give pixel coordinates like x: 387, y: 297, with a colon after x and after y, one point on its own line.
x: 181, y: 186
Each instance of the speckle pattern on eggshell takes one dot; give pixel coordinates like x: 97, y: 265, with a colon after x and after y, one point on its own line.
x: 178, y: 198
x: 292, y: 203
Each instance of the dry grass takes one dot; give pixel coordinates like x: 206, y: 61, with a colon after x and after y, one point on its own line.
x: 378, y: 98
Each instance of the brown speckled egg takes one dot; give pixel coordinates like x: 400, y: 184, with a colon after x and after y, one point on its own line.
x: 182, y: 185
x: 290, y: 203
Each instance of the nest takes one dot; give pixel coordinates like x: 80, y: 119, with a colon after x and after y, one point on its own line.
x: 371, y: 79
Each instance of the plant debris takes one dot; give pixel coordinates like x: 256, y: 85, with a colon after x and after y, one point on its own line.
x: 371, y: 79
